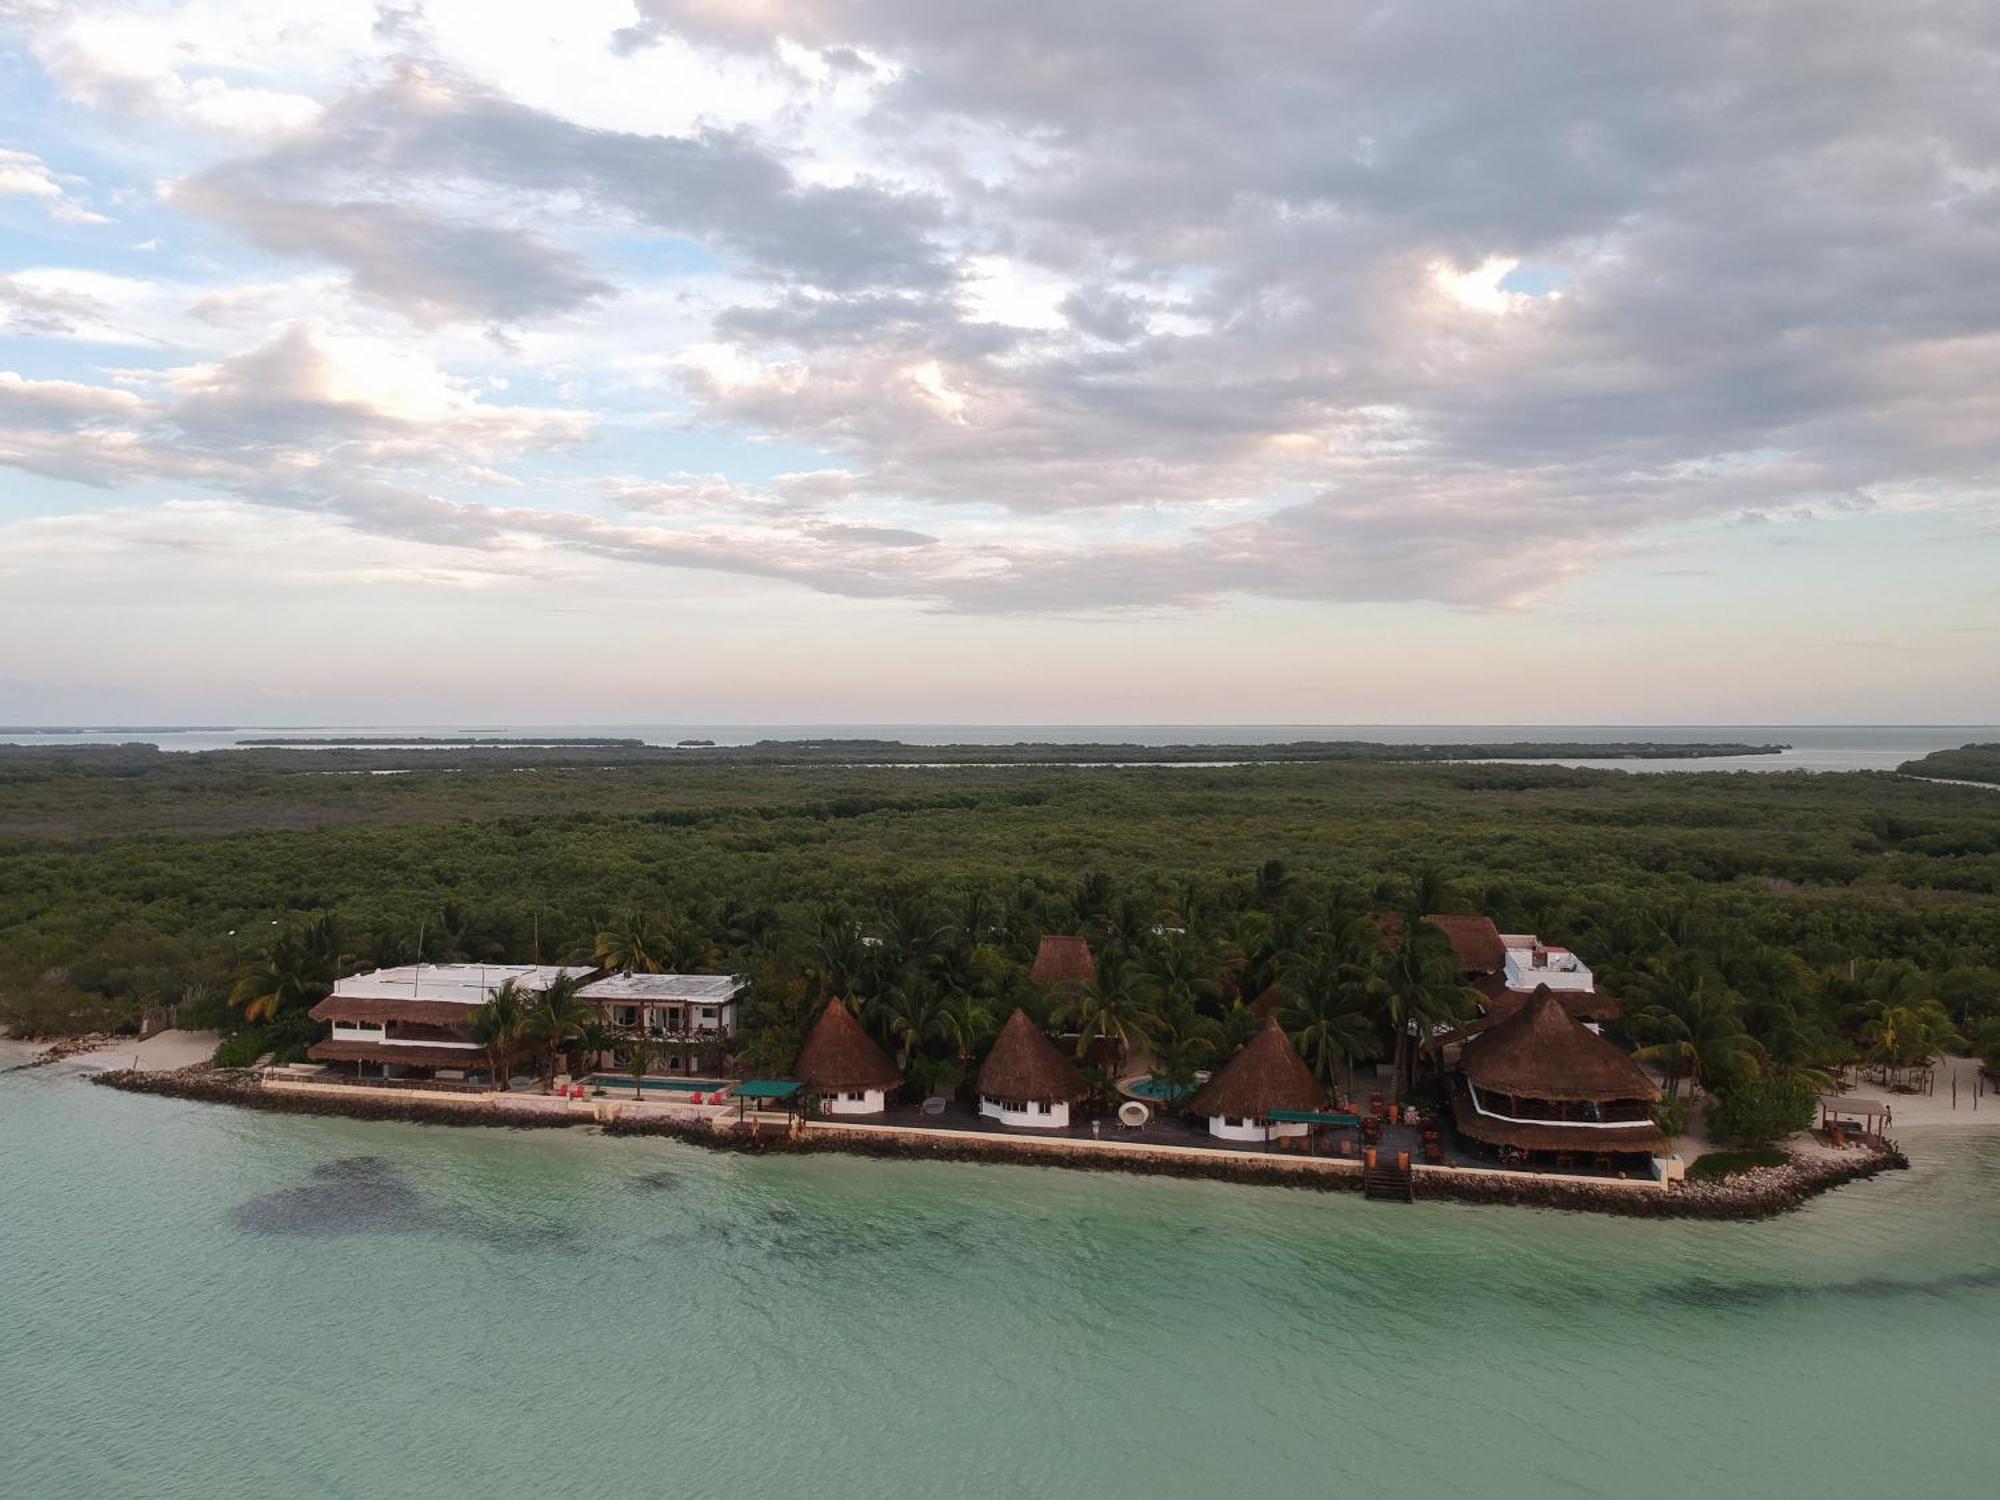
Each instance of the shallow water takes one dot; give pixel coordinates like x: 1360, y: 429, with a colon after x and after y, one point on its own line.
x: 200, y: 1301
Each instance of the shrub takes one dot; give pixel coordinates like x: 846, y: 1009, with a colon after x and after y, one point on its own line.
x: 1761, y: 1108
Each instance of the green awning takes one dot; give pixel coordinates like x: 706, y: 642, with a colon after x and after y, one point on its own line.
x: 1313, y: 1117
x: 767, y: 1088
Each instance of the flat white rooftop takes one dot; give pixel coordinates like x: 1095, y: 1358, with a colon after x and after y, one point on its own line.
x: 697, y: 989
x: 466, y: 984
x: 1559, y: 968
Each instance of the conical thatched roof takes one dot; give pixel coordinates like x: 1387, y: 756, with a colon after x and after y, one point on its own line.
x: 1266, y: 1075
x: 840, y: 1055
x: 1063, y: 960
x: 1026, y: 1065
x: 1541, y: 1052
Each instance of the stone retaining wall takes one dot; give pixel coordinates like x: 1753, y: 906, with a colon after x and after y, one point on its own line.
x: 1751, y: 1196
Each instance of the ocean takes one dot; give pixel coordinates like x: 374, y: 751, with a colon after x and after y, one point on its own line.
x: 1814, y: 747
x: 201, y: 1302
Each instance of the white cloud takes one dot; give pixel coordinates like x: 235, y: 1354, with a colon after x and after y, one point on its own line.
x: 25, y: 175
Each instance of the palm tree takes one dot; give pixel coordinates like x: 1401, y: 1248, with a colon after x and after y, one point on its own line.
x: 638, y: 1053
x: 555, y: 1016
x: 1333, y: 1031
x: 1110, y: 1008
x: 1420, y: 991
x: 283, y: 979
x: 631, y: 944
x: 967, y: 1027
x: 1182, y: 1040
x: 1694, y: 1031
x: 908, y: 1014
x: 298, y: 968
x: 497, y: 1026
x: 1906, y: 1036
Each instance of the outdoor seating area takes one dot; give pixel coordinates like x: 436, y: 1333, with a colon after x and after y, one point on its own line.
x: 1846, y: 1121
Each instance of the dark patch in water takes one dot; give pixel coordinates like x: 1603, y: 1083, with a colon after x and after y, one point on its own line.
x: 1702, y: 1292
x: 356, y: 1195
x: 363, y: 1195
x: 657, y: 1181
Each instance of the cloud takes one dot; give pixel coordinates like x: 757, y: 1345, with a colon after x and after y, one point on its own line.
x: 25, y: 175
x: 1109, y: 307
x: 431, y: 134
x: 42, y: 311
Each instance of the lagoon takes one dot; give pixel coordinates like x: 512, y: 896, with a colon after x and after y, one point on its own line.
x: 205, y: 1302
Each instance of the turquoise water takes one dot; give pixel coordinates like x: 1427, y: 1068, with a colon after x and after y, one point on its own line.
x: 612, y: 1082
x: 1158, y: 1090
x: 199, y: 1302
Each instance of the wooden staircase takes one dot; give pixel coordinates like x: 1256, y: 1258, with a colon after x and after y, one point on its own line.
x: 1387, y: 1180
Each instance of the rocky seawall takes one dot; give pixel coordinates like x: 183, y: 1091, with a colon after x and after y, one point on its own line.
x: 1756, y: 1194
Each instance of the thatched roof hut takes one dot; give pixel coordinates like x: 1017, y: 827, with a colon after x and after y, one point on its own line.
x: 1026, y: 1065
x: 1542, y: 1052
x: 1063, y: 959
x: 1475, y: 940
x: 839, y: 1055
x: 1267, y: 1074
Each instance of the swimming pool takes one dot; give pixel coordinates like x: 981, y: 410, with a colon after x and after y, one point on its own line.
x: 612, y: 1082
x: 1158, y: 1091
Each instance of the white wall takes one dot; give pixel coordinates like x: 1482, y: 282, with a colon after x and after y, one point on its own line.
x: 1035, y: 1116
x: 871, y: 1102
x: 1238, y: 1130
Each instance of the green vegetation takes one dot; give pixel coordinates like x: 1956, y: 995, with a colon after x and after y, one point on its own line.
x: 1717, y: 1165
x: 1966, y: 763
x: 1751, y: 924
x: 1763, y: 1105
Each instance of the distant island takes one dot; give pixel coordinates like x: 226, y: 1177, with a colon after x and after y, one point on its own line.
x: 856, y: 752
x: 1966, y: 763
x: 455, y: 741
x: 422, y: 752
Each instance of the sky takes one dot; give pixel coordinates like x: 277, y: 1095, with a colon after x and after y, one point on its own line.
x: 787, y: 361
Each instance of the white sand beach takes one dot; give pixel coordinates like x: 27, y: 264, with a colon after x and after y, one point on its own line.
x: 163, y: 1053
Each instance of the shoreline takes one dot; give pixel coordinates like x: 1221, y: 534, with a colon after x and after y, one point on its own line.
x: 1758, y: 1194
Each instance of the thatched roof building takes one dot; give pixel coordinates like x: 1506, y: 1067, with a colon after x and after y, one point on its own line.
x: 1585, y: 1005
x: 1267, y: 1074
x: 839, y: 1057
x: 1542, y: 1052
x: 1026, y: 1065
x: 1475, y: 940
x: 1543, y: 1081
x: 1063, y: 959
